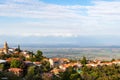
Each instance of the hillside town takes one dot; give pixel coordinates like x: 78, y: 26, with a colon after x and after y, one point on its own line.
x: 26, y: 65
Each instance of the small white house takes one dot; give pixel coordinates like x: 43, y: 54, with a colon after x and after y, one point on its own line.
x: 2, y: 61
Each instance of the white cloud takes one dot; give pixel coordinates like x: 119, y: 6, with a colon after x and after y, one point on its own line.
x: 35, y: 10
x: 50, y: 34
x: 102, y: 18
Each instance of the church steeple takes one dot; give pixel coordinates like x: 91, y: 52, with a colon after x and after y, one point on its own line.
x: 5, y: 47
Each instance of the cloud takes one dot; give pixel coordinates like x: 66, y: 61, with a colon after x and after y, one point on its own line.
x: 35, y: 9
x: 105, y: 9
x: 39, y: 9
x: 101, y: 18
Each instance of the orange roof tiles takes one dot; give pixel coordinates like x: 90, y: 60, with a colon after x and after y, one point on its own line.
x: 15, y: 70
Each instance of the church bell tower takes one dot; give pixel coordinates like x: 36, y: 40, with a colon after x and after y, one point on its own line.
x: 5, y: 48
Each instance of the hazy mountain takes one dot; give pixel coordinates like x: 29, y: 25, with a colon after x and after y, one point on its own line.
x: 49, y: 41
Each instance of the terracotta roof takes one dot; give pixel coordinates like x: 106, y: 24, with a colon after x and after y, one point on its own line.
x: 116, y: 62
x: 65, y: 59
x: 55, y: 71
x: 15, y: 70
x: 55, y: 59
x: 10, y: 59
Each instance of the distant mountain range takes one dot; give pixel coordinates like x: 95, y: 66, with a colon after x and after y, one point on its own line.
x: 52, y: 41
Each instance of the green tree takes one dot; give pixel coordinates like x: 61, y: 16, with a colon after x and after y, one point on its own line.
x: 66, y: 74
x: 33, y: 74
x: 2, y: 55
x: 75, y: 76
x: 113, y: 60
x: 30, y: 73
x: 1, y: 67
x: 18, y: 49
x: 84, y: 61
x: 45, y: 66
x: 9, y: 76
x: 39, y: 56
x: 15, y: 63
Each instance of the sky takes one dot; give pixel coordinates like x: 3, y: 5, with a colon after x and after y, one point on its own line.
x: 60, y: 21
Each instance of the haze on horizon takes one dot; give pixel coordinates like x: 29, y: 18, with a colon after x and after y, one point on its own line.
x: 76, y: 22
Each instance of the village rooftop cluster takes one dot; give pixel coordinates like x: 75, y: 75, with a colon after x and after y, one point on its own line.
x: 19, y: 61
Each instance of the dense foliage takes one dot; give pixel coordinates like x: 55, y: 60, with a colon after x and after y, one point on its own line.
x: 101, y: 72
x: 15, y: 63
x: 91, y: 73
x: 9, y: 76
